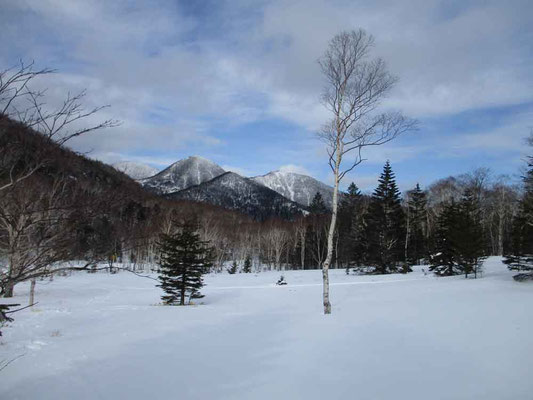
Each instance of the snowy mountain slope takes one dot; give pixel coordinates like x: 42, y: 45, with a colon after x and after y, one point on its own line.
x: 296, y: 187
x: 182, y: 175
x: 135, y: 170
x: 273, y: 194
x: 235, y: 192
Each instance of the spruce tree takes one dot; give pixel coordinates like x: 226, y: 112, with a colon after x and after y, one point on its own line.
x: 519, y: 254
x: 444, y: 261
x: 459, y: 243
x: 317, y: 220
x: 247, y: 268
x: 317, y: 206
x: 470, y: 245
x: 184, y: 258
x: 351, y: 225
x: 233, y: 269
x: 417, y: 215
x: 385, y: 228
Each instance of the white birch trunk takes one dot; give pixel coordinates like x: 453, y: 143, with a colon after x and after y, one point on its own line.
x: 329, y: 255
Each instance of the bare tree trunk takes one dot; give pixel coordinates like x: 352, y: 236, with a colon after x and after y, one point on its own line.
x: 9, y: 289
x: 407, y: 232
x: 329, y: 255
x: 500, y: 236
x: 32, y: 291
x: 337, y: 252
x: 302, y: 250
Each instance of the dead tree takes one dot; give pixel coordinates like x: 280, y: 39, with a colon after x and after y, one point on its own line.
x: 355, y: 87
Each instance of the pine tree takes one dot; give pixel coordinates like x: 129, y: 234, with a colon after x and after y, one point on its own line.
x: 385, y: 228
x: 184, y: 258
x: 233, y: 269
x: 417, y: 214
x: 444, y: 262
x: 470, y: 245
x: 351, y: 226
x: 519, y: 255
x: 317, y: 206
x: 460, y: 245
x: 317, y: 220
x: 247, y: 268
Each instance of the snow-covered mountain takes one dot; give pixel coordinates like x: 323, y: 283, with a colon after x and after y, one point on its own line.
x: 135, y: 170
x: 235, y: 192
x: 182, y: 175
x: 296, y: 187
x: 278, y: 193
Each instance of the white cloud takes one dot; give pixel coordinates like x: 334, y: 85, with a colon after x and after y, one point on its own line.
x: 140, y: 57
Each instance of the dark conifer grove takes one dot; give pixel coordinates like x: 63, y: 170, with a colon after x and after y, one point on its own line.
x: 519, y: 254
x: 416, y: 247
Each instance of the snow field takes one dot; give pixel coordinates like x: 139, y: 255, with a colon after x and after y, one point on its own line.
x: 101, y: 336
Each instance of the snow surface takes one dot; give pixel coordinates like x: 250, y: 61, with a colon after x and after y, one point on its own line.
x: 415, y: 336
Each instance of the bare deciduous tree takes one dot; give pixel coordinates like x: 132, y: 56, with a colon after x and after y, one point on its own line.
x: 19, y: 101
x: 355, y: 87
x: 34, y: 215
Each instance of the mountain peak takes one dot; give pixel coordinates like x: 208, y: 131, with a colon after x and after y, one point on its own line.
x: 296, y: 187
x: 183, y: 174
x: 135, y: 170
x: 235, y: 192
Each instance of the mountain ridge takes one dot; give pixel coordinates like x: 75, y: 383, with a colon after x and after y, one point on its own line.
x: 135, y: 170
x: 235, y: 192
x: 296, y: 187
x: 183, y: 174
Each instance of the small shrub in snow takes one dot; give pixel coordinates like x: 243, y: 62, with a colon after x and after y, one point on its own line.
x: 233, y: 269
x: 523, y: 277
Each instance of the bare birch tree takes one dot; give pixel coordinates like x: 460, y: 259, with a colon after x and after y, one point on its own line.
x: 355, y: 87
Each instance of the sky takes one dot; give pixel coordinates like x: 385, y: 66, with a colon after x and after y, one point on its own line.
x: 238, y: 81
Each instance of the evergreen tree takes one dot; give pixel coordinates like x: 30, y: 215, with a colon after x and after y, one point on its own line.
x: 351, y: 226
x: 519, y: 255
x: 470, y: 245
x: 385, y: 228
x: 444, y: 262
x: 233, y: 269
x: 184, y: 258
x: 247, y: 268
x: 460, y: 245
x: 317, y: 206
x: 416, y: 220
x: 317, y: 222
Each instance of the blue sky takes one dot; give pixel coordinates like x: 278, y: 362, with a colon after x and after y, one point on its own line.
x: 237, y: 81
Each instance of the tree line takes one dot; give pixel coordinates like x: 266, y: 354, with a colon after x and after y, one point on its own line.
x: 451, y: 226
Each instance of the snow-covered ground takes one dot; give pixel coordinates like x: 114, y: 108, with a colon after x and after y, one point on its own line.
x: 100, y: 336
